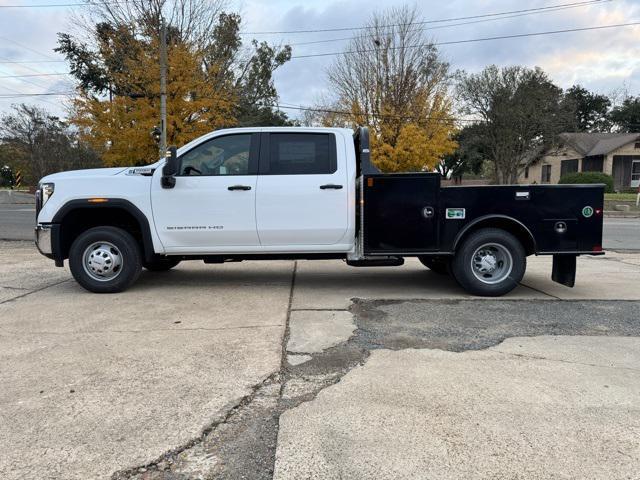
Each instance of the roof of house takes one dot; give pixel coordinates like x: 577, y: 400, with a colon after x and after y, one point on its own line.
x: 589, y: 144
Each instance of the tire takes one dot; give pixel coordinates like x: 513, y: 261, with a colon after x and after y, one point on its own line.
x: 490, y: 263
x: 105, y: 260
x: 161, y: 264
x: 441, y: 266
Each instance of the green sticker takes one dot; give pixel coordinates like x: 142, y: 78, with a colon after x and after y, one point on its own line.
x: 587, y: 211
x: 455, y: 213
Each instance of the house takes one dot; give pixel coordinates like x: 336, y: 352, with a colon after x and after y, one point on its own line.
x: 616, y: 154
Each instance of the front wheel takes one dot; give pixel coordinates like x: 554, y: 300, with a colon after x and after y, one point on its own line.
x: 490, y: 263
x: 105, y: 260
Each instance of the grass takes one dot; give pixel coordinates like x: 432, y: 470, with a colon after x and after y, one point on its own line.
x: 621, y: 197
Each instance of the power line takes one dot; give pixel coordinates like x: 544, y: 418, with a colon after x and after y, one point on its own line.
x: 31, y: 61
x: 423, y: 22
x: 449, y: 120
x: 21, y: 45
x: 35, y: 75
x: 50, y: 5
x: 471, y: 40
x: 555, y: 9
x: 19, y: 95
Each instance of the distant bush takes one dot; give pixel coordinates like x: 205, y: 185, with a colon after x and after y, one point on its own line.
x: 589, y: 177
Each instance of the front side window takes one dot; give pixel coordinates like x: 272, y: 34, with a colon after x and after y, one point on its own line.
x: 301, y: 154
x: 228, y: 155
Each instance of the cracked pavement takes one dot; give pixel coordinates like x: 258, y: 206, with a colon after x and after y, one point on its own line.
x: 317, y: 370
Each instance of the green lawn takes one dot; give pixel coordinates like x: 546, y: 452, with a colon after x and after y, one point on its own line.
x: 621, y: 197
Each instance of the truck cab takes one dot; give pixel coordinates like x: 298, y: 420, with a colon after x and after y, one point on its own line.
x: 295, y: 192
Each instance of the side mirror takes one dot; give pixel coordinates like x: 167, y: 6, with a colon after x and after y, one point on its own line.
x: 170, y: 169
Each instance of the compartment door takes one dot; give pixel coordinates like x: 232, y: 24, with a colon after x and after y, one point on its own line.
x: 401, y: 213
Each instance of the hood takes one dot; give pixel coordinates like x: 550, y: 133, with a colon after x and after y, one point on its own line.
x: 92, y: 172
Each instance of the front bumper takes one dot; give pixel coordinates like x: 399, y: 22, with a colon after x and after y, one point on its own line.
x: 47, y: 239
x: 43, y: 240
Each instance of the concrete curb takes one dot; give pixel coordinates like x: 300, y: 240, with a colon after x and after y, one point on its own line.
x: 615, y: 214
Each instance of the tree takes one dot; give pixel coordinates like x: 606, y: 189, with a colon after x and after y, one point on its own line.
x: 213, y: 82
x: 192, y: 20
x: 119, y: 129
x: 400, y: 91
x: 40, y: 144
x: 468, y: 157
x: 626, y: 117
x: 520, y: 112
x: 592, y: 110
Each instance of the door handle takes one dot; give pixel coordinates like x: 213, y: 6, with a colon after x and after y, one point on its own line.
x: 330, y: 186
x: 239, y: 187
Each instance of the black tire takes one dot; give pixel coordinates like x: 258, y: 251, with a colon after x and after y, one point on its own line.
x: 161, y: 264
x: 441, y: 266
x: 126, y: 252
x: 499, y: 244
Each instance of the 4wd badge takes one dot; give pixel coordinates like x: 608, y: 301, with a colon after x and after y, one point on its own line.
x: 587, y: 211
x: 455, y: 213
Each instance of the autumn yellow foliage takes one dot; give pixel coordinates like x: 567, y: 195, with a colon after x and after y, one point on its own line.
x: 119, y: 128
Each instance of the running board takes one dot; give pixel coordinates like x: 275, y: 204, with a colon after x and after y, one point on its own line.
x: 377, y: 262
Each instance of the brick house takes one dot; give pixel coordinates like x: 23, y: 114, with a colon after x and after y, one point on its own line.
x: 617, y: 154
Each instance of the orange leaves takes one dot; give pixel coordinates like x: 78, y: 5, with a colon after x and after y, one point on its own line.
x: 119, y: 127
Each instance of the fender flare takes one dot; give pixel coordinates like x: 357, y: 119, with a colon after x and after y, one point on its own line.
x: 117, y: 203
x: 489, y: 217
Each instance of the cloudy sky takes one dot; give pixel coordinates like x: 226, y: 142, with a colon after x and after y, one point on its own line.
x: 604, y: 60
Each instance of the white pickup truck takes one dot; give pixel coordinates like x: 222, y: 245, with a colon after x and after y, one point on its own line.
x: 305, y: 193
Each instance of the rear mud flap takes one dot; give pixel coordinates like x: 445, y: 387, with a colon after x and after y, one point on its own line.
x: 564, y: 270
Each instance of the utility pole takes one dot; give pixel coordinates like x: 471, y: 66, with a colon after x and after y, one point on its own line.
x: 163, y: 88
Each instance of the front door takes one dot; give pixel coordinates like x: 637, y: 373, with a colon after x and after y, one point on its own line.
x: 303, y: 193
x: 212, y: 206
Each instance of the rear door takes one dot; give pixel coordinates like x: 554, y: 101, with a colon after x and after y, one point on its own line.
x: 302, y: 190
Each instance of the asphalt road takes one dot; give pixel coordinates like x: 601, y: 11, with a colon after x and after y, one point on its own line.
x: 16, y: 223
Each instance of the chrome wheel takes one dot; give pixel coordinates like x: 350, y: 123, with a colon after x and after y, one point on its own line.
x: 491, y: 263
x: 102, y: 261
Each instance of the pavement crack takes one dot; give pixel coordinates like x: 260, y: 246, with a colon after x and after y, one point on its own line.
x: 34, y: 291
x: 540, y: 291
x: 559, y: 360
x: 151, y: 330
x: 197, y: 457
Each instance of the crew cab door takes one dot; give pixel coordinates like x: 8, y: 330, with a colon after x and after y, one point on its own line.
x: 213, y: 202
x: 302, y: 193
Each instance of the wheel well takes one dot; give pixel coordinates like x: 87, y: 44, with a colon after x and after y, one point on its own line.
x: 507, y: 224
x: 81, y: 219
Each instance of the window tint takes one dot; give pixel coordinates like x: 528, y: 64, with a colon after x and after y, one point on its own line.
x: 227, y: 155
x: 301, y: 154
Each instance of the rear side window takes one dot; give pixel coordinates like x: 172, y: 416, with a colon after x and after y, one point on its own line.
x: 301, y: 154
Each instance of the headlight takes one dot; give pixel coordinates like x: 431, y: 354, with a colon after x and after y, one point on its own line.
x: 46, y: 190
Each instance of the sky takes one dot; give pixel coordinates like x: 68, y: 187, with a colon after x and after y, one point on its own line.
x: 605, y: 61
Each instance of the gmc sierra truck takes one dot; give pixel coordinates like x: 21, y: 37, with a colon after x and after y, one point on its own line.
x: 306, y: 193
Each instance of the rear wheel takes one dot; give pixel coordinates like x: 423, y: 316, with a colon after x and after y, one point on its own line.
x: 438, y: 265
x: 490, y: 262
x: 161, y: 264
x: 105, y: 260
